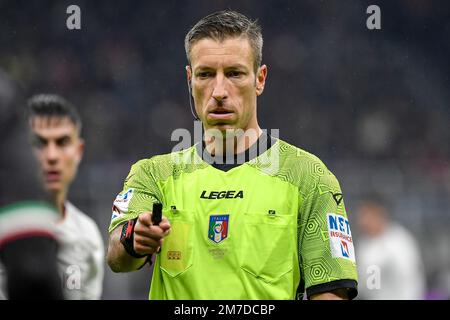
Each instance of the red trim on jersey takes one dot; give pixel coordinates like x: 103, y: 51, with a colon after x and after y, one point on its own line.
x: 26, y: 234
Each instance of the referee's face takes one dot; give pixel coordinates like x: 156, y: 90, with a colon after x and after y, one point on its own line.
x: 224, y: 84
x: 59, y: 149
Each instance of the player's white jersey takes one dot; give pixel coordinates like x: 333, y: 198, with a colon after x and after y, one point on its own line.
x: 81, y: 255
x: 390, y: 266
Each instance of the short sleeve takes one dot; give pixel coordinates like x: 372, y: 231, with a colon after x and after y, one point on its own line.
x: 327, y: 255
x: 139, y: 192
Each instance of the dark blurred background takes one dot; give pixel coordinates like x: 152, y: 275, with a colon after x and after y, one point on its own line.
x: 372, y: 104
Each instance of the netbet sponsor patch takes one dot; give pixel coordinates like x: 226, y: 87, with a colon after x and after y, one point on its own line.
x: 341, y: 241
x: 121, y: 203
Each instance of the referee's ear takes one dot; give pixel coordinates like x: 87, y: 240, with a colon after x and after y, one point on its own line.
x: 261, y: 79
x: 188, y: 74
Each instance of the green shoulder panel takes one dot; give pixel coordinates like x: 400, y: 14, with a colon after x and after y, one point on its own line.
x: 142, y: 185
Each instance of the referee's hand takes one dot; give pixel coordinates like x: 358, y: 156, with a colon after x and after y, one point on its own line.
x: 148, y: 238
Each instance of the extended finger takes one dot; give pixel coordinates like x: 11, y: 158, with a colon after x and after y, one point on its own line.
x: 164, y: 224
x: 145, y: 218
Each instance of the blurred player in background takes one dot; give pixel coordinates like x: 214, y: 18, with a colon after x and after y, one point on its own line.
x: 265, y: 225
x: 28, y: 245
x: 55, y: 132
x: 390, y: 265
x: 56, y: 129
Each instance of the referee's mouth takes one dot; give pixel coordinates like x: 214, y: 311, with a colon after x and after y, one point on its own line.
x: 220, y: 114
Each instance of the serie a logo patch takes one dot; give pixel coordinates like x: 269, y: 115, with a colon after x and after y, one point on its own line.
x: 218, y: 227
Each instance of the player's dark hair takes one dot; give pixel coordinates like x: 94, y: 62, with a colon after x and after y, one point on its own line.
x: 226, y: 24
x: 52, y: 105
x: 378, y: 200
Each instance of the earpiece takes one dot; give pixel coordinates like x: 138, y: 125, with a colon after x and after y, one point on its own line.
x: 190, y: 100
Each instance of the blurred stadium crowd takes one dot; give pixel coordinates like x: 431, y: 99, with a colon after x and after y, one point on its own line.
x: 374, y: 105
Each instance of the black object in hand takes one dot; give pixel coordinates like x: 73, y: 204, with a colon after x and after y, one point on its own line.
x: 157, y: 213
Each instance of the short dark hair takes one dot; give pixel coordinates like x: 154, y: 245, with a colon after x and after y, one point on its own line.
x: 225, y: 24
x: 377, y: 200
x: 52, y: 105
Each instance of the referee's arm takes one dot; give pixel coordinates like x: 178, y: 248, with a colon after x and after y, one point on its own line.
x: 147, y: 240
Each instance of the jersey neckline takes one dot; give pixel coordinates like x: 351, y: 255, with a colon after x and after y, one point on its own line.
x: 224, y: 163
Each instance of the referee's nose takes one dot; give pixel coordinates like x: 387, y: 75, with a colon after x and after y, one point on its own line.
x: 219, y: 91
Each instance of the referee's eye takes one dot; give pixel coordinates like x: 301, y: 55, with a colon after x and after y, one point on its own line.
x: 235, y: 74
x: 204, y: 74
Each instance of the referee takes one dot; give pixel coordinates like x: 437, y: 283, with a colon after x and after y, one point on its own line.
x: 245, y: 215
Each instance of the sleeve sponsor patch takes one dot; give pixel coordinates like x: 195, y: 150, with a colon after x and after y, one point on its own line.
x: 120, y: 205
x: 341, y: 241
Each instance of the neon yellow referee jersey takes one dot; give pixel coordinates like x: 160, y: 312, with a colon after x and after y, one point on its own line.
x: 268, y: 228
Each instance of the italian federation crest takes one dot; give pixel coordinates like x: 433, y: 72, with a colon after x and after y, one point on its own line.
x: 218, y: 227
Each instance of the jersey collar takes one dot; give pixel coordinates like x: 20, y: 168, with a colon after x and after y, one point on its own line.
x: 224, y: 163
